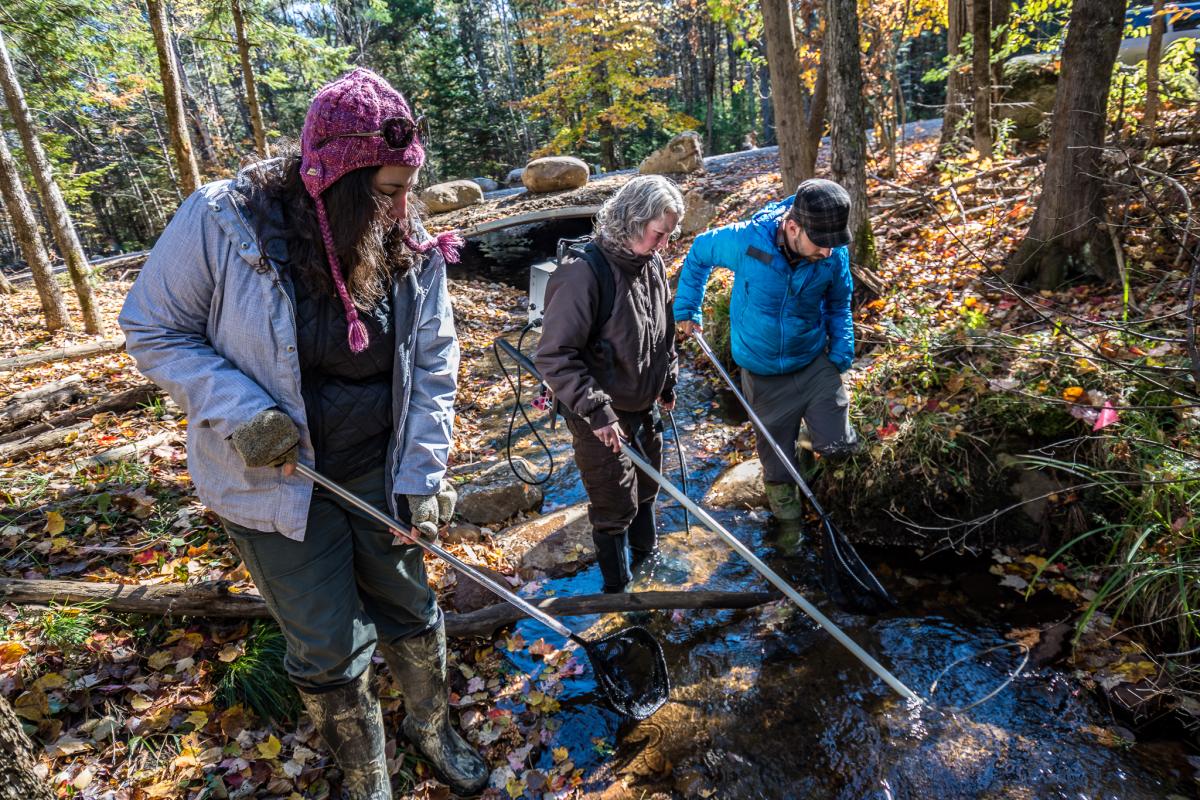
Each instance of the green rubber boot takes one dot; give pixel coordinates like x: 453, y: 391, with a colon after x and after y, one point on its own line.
x: 784, y: 500
x: 419, y: 665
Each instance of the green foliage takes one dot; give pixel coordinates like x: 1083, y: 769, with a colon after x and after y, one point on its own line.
x: 716, y: 323
x: 69, y: 626
x: 1177, y: 77
x: 1145, y: 545
x: 257, y: 677
x: 602, y: 79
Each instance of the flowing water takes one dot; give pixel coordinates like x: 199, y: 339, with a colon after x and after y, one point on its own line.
x: 766, y: 705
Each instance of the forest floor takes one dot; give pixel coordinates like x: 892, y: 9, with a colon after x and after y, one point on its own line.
x: 997, y: 421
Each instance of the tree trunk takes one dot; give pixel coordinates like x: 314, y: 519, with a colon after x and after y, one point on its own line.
x: 848, y: 163
x: 787, y: 90
x: 260, y: 132
x: 814, y: 125
x: 54, y: 308
x: 185, y: 161
x: 18, y: 781
x: 981, y: 74
x: 1001, y: 12
x: 52, y: 200
x: 1068, y: 234
x: 958, y: 79
x: 1158, y: 27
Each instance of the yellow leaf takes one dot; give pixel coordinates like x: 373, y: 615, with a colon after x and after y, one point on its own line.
x: 198, y: 719
x: 1072, y: 394
x: 229, y: 653
x: 162, y: 789
x: 160, y: 659
x: 11, y: 652
x: 32, y: 705
x: 50, y: 681
x: 140, y: 703
x: 55, y: 524
x: 560, y: 754
x: 514, y: 787
x: 270, y: 748
x: 1037, y: 561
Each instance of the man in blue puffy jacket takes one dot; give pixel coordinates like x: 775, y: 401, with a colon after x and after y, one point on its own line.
x: 791, y: 328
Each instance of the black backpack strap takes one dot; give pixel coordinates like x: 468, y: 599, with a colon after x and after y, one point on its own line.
x: 606, y: 284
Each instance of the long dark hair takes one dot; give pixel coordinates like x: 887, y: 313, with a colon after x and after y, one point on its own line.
x: 370, y: 246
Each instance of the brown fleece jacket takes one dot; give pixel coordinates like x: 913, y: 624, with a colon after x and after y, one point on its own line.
x: 640, y: 334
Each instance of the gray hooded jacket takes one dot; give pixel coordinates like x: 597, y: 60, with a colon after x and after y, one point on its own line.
x: 210, y: 320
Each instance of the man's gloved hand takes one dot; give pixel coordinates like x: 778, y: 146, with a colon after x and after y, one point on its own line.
x: 270, y: 439
x: 430, y: 511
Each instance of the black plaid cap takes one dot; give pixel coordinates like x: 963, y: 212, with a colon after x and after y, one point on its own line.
x: 822, y: 208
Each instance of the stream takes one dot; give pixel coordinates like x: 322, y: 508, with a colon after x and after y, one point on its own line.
x: 766, y: 705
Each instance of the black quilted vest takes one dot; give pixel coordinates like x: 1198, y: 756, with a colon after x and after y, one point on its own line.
x: 347, y: 395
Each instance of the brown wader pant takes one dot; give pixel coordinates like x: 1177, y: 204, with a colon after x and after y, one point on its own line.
x: 621, y: 498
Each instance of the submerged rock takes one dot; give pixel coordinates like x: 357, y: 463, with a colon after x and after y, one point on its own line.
x: 740, y: 486
x: 496, y: 494
x: 487, y: 184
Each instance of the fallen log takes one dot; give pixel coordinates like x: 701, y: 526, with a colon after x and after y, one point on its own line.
x: 45, y: 389
x: 131, y: 450
x: 13, y: 415
x: 214, y: 599
x: 86, y: 350
x: 138, y: 395
x: 486, y: 620
x: 41, y: 442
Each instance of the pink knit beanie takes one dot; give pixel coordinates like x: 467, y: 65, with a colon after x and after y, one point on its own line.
x: 356, y: 103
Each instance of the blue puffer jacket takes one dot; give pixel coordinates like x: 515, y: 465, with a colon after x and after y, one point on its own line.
x: 782, y: 317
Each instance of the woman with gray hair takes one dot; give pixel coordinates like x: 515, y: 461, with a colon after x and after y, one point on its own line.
x: 608, y: 366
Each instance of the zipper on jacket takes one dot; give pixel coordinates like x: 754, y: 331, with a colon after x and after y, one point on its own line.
x: 782, y: 316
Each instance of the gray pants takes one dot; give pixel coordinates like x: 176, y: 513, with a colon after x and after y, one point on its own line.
x: 813, y: 395
x: 342, y: 589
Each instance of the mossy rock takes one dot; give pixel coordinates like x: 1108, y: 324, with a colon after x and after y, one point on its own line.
x: 1032, y: 82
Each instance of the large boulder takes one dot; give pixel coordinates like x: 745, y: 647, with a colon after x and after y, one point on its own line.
x: 451, y: 196
x: 698, y: 212
x: 682, y: 154
x: 740, y: 486
x: 554, y: 174
x: 496, y: 494
x: 487, y: 184
x: 1032, y: 82
x: 556, y: 544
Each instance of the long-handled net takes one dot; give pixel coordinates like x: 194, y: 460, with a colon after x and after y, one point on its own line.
x: 629, y: 666
x: 847, y: 580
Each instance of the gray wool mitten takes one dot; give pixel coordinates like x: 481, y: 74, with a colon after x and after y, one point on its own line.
x: 270, y: 439
x: 429, y: 511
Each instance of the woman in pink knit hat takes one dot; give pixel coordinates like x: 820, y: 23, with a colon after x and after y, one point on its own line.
x: 300, y: 312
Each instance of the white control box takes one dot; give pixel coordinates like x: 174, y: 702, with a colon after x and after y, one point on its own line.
x: 539, y: 277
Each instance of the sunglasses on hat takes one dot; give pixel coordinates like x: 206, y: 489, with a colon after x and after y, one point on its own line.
x: 397, y: 132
